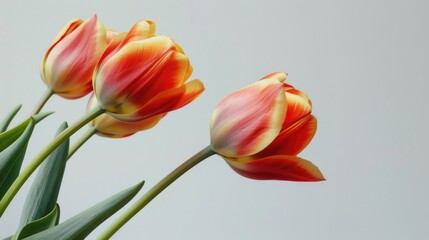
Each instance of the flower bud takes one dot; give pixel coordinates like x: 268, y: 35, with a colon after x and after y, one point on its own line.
x: 69, y: 63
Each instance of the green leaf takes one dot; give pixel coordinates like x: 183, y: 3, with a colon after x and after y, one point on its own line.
x: 8, y: 118
x: 10, y: 136
x: 40, y: 116
x: 43, y: 194
x: 11, y: 159
x: 79, y: 226
x: 40, y: 225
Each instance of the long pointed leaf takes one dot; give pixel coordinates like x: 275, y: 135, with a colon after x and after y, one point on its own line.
x: 43, y: 194
x: 10, y: 136
x: 40, y: 116
x: 46, y: 222
x: 6, y: 121
x: 11, y: 159
x: 79, y: 226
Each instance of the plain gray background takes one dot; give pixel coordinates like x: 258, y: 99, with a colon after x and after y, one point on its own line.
x: 363, y: 63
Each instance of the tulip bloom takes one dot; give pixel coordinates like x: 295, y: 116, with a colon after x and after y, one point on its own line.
x: 69, y: 63
x: 108, y: 126
x: 141, y: 75
x: 260, y: 129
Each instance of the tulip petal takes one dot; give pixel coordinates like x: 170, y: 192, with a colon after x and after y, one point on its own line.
x: 281, y: 167
x: 298, y: 106
x: 74, y: 93
x: 292, y: 141
x: 281, y: 76
x: 69, y: 28
x: 124, y: 74
x: 166, y: 101
x: 110, y: 35
x: 111, y: 49
x: 189, y: 70
x: 248, y: 120
x: 141, y: 30
x: 172, y: 72
x: 108, y: 126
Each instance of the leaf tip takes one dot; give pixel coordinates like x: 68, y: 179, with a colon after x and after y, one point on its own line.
x: 40, y: 116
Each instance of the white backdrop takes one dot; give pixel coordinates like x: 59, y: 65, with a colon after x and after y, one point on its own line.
x: 363, y: 63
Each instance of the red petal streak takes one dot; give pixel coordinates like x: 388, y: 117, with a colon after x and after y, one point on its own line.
x: 69, y: 28
x: 166, y: 101
x: 293, y: 141
x: 170, y: 72
x: 287, y: 168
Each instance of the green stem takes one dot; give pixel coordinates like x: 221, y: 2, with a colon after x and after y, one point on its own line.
x: 25, y: 174
x: 45, y: 97
x: 154, y: 191
x: 87, y: 135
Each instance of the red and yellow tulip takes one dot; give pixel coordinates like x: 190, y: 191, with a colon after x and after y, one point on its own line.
x: 69, y: 62
x: 260, y: 129
x: 108, y: 126
x: 141, y: 75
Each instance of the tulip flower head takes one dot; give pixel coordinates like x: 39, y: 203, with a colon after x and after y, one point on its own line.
x: 108, y: 126
x: 141, y: 75
x: 260, y: 129
x: 69, y: 62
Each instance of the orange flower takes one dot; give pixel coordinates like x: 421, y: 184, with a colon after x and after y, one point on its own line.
x: 141, y: 75
x: 261, y: 128
x: 108, y: 126
x: 69, y: 63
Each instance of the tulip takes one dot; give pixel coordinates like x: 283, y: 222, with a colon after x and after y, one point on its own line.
x: 108, y: 126
x: 69, y: 62
x: 141, y: 75
x: 260, y: 129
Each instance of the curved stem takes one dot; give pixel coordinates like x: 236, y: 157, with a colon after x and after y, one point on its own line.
x: 154, y: 191
x: 87, y: 135
x: 25, y: 174
x: 45, y: 97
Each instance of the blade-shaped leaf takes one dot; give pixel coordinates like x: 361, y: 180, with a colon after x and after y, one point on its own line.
x: 43, y: 194
x: 10, y: 136
x: 79, y: 226
x: 11, y: 159
x: 40, y: 116
x: 6, y: 121
x: 46, y: 222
